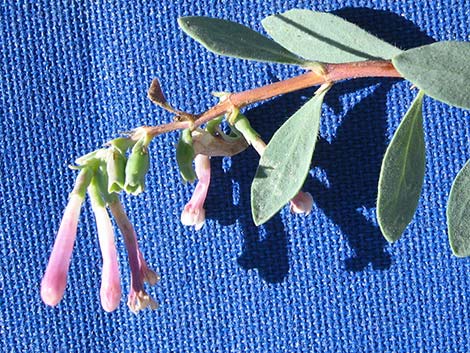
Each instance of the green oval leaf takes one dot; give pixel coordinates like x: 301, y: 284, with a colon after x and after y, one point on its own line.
x: 285, y: 163
x: 440, y: 69
x: 458, y: 213
x: 324, y: 37
x: 402, y: 174
x: 233, y: 39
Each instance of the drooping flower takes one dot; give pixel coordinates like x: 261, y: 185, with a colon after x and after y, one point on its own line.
x: 138, y: 298
x: 110, y: 292
x: 54, y: 280
x: 302, y: 203
x: 194, y: 213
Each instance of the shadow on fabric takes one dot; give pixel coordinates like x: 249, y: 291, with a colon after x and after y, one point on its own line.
x: 351, y: 163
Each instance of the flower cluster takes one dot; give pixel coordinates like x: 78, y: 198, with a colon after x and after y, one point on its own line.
x: 122, y: 166
x: 103, y: 174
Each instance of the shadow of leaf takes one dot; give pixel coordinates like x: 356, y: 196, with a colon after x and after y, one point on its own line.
x: 352, y: 164
x: 263, y: 171
x: 264, y: 248
x: 387, y: 26
x: 351, y: 161
x: 327, y: 40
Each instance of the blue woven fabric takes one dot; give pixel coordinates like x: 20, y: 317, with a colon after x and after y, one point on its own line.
x: 75, y: 73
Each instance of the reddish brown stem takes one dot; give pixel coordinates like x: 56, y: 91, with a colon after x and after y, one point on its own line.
x: 333, y: 73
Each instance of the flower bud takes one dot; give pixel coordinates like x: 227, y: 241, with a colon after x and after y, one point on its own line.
x: 116, y: 169
x: 137, y: 167
x: 185, y: 156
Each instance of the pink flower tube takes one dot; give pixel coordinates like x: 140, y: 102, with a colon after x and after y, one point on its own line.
x: 110, y: 292
x: 138, y: 298
x: 55, y: 277
x: 194, y: 212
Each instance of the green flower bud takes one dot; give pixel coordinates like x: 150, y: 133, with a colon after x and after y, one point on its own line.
x: 185, y: 156
x: 116, y: 169
x: 137, y: 167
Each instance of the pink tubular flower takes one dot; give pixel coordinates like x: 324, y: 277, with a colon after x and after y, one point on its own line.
x: 301, y: 203
x: 110, y: 292
x: 194, y: 212
x: 55, y: 277
x: 138, y: 298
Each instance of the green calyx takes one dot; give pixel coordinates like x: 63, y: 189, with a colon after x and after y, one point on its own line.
x: 137, y: 166
x: 121, y: 143
x: 116, y: 169
x: 82, y: 182
x: 98, y: 188
x: 185, y: 156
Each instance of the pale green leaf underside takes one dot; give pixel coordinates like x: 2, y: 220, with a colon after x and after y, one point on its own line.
x: 285, y: 163
x: 232, y: 39
x: 402, y: 174
x: 441, y: 70
x: 458, y: 213
x: 320, y: 36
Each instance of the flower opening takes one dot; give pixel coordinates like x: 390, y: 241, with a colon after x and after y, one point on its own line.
x: 138, y: 298
x: 302, y: 203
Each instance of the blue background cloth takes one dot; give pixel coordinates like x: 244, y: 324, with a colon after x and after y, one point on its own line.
x: 75, y: 74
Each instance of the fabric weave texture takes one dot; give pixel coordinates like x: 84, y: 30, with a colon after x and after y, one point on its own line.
x: 74, y: 74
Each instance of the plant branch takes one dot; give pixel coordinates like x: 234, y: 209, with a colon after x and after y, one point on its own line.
x: 332, y: 73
